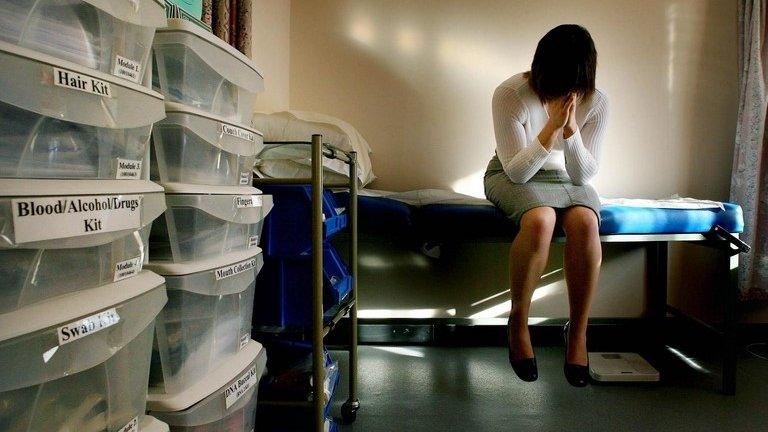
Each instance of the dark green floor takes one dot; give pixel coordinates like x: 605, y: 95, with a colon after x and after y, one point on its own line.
x: 474, y: 389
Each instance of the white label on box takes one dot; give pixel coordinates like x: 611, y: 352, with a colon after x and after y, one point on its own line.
x: 127, y: 68
x: 247, y: 201
x: 127, y: 169
x: 244, y: 339
x: 132, y: 426
x: 238, y: 132
x: 48, y: 218
x: 128, y: 268
x: 87, y: 326
x: 253, y: 241
x: 234, y: 392
x: 235, y: 269
x: 245, y: 178
x: 84, y: 83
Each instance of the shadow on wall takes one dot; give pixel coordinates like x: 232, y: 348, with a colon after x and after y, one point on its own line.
x: 470, y: 280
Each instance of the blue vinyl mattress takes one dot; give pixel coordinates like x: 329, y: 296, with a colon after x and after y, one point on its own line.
x: 381, y: 215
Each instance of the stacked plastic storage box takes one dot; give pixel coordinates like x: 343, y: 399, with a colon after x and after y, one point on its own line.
x: 206, y: 369
x: 77, y: 311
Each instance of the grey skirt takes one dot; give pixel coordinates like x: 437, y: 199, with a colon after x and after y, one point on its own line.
x: 547, y: 188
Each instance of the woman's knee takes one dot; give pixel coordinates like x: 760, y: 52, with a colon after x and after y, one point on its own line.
x: 539, y: 222
x: 579, y: 221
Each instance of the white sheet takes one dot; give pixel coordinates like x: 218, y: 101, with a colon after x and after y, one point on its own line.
x: 300, y: 126
x: 424, y: 197
x: 674, y: 202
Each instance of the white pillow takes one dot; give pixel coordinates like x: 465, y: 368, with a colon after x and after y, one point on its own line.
x: 300, y: 126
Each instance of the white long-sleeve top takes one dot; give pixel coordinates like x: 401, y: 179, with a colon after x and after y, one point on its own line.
x: 519, y: 116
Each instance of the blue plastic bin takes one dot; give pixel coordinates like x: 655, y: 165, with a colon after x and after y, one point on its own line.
x: 288, y: 227
x: 289, y: 379
x: 285, y: 286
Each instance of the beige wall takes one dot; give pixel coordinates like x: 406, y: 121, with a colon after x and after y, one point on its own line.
x: 416, y: 78
x: 271, y: 28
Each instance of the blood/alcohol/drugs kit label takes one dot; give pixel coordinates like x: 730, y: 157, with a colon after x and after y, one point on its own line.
x: 47, y: 218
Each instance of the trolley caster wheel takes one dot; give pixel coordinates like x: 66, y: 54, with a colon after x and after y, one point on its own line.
x: 349, y: 411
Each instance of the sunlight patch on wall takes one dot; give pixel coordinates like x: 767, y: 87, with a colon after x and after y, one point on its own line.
x: 471, y: 185
x: 406, y: 313
x: 362, y: 31
x: 505, y: 307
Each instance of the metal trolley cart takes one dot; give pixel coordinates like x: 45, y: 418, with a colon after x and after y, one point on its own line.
x: 321, y: 327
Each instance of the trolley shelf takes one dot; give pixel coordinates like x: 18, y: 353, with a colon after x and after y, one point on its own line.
x: 321, y: 326
x: 334, y: 316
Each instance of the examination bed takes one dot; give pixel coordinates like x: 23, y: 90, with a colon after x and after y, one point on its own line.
x: 447, y: 221
x: 432, y: 224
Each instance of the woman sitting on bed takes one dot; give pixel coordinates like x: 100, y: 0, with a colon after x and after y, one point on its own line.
x: 549, y: 126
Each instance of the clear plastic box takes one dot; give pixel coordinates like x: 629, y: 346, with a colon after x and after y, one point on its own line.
x: 33, y: 275
x: 197, y: 69
x: 225, y: 402
x: 36, y: 146
x: 113, y: 37
x: 51, y: 87
x: 151, y: 424
x: 53, y: 381
x: 65, y: 230
x: 53, y: 131
x: 194, y: 147
x: 207, y: 318
x: 208, y: 224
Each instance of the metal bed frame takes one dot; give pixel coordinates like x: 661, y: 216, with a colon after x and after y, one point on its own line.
x: 657, y: 255
x: 321, y: 329
x: 728, y: 245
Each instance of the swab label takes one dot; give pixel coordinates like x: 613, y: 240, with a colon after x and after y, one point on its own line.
x: 247, y: 201
x: 84, y: 83
x: 132, y: 426
x: 128, y: 268
x: 127, y: 68
x: 87, y: 326
x: 234, y: 392
x: 235, y: 269
x: 238, y: 132
x: 253, y: 241
x: 244, y: 339
x: 127, y: 169
x: 47, y: 218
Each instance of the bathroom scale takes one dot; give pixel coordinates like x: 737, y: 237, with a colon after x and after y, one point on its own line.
x: 621, y: 367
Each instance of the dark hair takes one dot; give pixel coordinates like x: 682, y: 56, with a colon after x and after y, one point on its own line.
x: 565, y: 62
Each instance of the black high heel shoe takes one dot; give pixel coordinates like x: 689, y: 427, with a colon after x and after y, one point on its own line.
x: 525, y: 369
x: 577, y: 375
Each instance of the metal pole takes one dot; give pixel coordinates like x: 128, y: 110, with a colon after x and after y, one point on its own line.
x: 351, y: 406
x: 658, y: 257
x: 318, y: 358
x: 730, y: 259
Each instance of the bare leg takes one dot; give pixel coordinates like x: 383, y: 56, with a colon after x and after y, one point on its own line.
x: 527, y: 260
x: 583, y: 256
